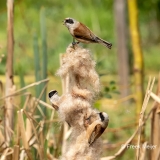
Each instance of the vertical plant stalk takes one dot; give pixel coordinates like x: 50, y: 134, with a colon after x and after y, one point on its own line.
x: 16, y: 152
x: 122, y: 53
x: 44, y: 62
x: 137, y: 53
x: 36, y: 63
x: 155, y: 127
x: 1, y: 88
x: 141, y: 117
x: 22, y: 82
x: 23, y: 133
x: 65, y: 89
x: 9, y: 71
x: 44, y: 48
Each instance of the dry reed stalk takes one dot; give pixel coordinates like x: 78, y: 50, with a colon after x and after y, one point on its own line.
x: 10, y: 130
x: 26, y: 101
x: 6, y: 153
x: 24, y: 88
x: 48, y: 133
x: 8, y: 118
x: 39, y: 145
x: 34, y: 130
x: 22, y: 155
x: 155, y: 128
x: 154, y: 96
x: 22, y: 129
x: 16, y: 152
x: 1, y: 88
x: 55, y: 146
x: 30, y: 117
x: 41, y: 111
x: 123, y: 149
x: 17, y: 139
x: 9, y: 109
x: 42, y: 91
x: 42, y: 139
x: 144, y: 152
x: 36, y: 102
x: 45, y: 104
x: 23, y: 133
x: 28, y: 129
x: 2, y: 139
x: 29, y: 132
x: 141, y: 119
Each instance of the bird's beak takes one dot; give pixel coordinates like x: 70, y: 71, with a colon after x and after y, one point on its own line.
x: 63, y: 22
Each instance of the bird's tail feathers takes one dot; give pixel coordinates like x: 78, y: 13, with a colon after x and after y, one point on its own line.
x: 105, y: 43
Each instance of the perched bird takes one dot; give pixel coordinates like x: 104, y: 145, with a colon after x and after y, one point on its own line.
x: 96, y: 129
x: 54, y: 98
x: 82, y: 33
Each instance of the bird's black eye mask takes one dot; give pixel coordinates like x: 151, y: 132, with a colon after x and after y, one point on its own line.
x: 101, y: 116
x: 69, y: 21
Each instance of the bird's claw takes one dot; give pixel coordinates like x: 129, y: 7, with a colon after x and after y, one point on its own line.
x: 74, y: 43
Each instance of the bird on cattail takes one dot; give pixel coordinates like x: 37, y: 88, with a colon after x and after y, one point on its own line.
x: 82, y: 33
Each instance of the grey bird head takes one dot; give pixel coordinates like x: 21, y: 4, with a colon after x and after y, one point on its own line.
x: 104, y: 118
x: 69, y: 22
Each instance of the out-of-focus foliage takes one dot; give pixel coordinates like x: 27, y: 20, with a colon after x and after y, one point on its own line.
x: 110, y: 90
x: 96, y: 14
x: 149, y: 20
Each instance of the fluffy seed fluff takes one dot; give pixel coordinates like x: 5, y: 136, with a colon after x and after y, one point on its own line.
x: 75, y: 106
x: 80, y: 64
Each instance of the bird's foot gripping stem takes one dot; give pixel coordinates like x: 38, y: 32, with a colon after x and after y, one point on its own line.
x: 74, y: 43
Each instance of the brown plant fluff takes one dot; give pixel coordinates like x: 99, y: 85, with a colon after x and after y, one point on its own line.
x: 79, y: 114
x: 82, y: 93
x: 75, y: 106
x: 81, y: 119
x: 78, y: 147
x: 78, y: 63
x: 81, y: 150
x: 70, y: 107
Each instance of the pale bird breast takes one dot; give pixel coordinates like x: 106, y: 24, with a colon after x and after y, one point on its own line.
x: 73, y: 27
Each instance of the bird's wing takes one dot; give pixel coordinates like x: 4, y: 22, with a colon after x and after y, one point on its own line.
x: 98, y: 130
x: 83, y: 32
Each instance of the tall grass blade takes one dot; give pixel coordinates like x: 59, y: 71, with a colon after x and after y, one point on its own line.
x: 36, y: 62
x: 44, y: 49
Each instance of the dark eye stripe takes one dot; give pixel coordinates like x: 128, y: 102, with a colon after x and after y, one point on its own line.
x: 101, y: 116
x: 69, y: 21
x: 51, y: 93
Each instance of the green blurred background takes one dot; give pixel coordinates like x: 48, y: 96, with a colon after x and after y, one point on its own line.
x: 98, y: 15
